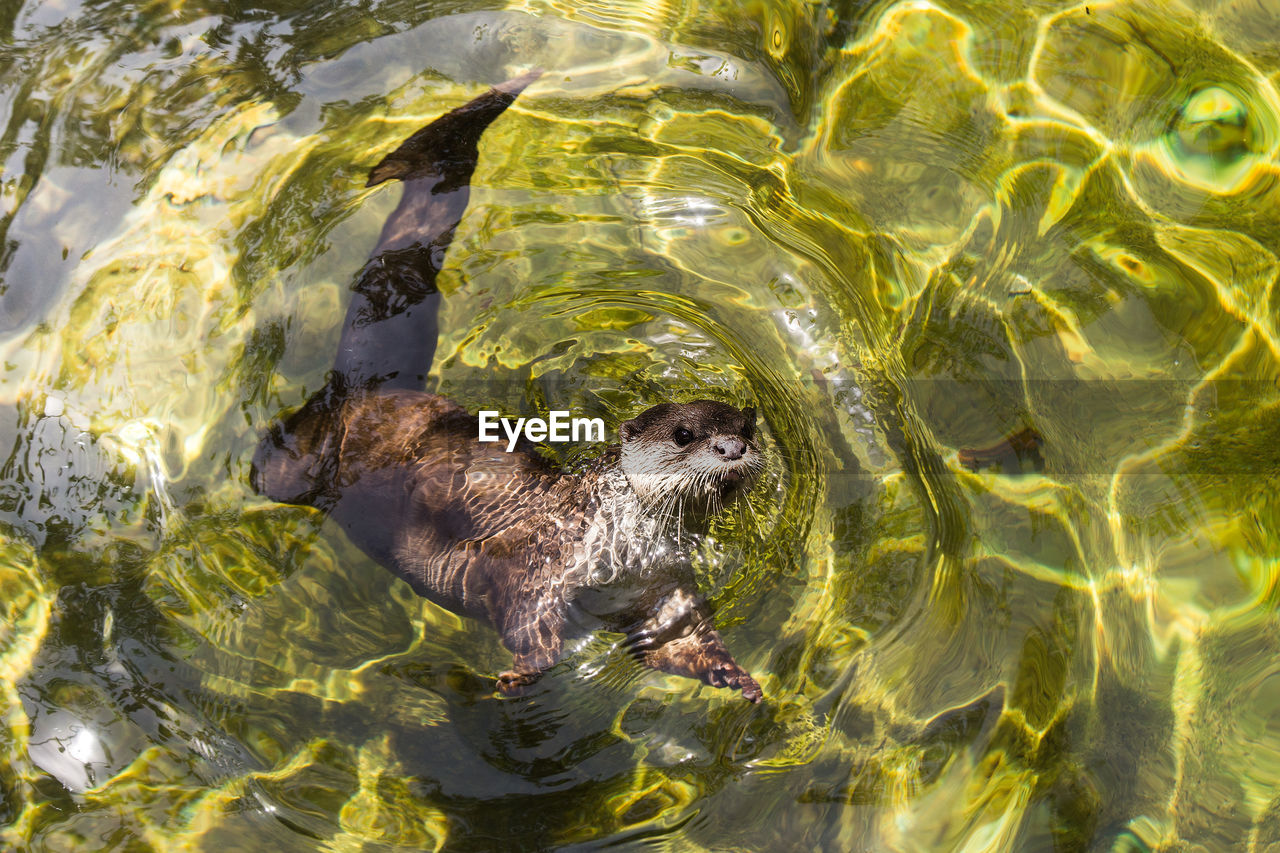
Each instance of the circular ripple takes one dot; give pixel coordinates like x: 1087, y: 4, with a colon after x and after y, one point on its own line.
x: 1216, y: 137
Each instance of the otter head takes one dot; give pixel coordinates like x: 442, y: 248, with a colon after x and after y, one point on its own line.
x: 691, y: 459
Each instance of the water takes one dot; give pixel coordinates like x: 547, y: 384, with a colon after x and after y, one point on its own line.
x: 905, y: 231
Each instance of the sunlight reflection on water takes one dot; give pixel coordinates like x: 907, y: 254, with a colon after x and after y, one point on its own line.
x: 905, y: 231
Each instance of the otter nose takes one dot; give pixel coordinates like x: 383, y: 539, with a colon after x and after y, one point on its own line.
x: 729, y: 447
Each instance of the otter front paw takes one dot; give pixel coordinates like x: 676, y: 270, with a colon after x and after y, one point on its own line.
x: 511, y: 683
x: 736, y: 678
x: 750, y: 689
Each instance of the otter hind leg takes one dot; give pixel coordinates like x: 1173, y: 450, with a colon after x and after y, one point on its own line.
x: 280, y: 470
x: 293, y: 462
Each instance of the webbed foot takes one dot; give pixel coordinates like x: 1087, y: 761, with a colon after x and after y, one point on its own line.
x: 734, y: 677
x: 512, y: 683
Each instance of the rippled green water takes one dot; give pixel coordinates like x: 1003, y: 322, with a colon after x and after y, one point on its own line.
x: 904, y: 230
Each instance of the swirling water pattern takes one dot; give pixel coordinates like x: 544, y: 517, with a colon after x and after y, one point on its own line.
x: 904, y: 230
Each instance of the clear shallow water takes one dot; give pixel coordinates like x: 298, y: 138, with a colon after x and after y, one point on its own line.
x: 902, y: 230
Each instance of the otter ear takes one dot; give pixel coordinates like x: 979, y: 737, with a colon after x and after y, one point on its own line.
x: 628, y: 430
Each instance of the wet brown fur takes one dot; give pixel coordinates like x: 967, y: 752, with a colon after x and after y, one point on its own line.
x: 503, y: 537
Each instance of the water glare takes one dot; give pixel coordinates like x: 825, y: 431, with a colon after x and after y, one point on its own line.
x: 999, y: 277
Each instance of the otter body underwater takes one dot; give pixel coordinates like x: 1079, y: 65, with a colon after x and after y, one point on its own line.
x: 503, y: 537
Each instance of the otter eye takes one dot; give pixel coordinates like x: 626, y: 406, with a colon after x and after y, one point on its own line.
x: 682, y: 436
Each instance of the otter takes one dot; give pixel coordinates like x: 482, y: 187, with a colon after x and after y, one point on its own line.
x: 504, y: 537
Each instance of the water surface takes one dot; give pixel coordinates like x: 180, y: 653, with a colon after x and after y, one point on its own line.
x: 905, y: 231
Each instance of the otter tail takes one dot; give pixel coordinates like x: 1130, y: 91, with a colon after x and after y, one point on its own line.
x: 389, y: 336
